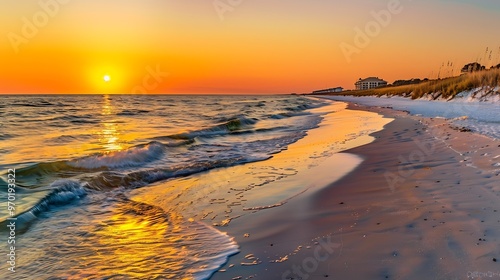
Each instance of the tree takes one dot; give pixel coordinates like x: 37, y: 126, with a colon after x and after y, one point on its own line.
x: 472, y: 67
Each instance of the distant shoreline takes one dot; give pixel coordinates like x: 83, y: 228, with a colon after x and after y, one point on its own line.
x: 446, y: 88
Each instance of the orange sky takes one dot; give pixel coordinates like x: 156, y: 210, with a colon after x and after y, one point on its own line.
x: 254, y: 46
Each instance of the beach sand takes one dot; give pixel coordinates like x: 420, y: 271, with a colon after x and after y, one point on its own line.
x: 422, y: 205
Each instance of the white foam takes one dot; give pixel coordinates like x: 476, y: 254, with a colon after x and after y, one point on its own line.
x: 135, y: 156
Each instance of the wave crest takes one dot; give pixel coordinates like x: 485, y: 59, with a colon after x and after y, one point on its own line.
x: 136, y: 156
x: 227, y: 126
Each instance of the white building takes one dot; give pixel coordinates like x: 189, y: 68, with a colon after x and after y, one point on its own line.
x: 369, y: 83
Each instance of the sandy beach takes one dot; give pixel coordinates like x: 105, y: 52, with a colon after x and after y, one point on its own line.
x: 250, y: 140
x: 298, y: 188
x: 423, y: 204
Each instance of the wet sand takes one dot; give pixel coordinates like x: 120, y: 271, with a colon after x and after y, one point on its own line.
x: 225, y: 197
x: 422, y: 205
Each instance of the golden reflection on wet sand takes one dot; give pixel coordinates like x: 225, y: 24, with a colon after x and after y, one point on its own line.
x: 129, y: 242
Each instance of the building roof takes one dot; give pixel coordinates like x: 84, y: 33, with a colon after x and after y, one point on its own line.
x: 371, y: 79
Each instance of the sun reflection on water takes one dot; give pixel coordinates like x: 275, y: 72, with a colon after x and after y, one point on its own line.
x: 110, y: 133
x: 136, y: 241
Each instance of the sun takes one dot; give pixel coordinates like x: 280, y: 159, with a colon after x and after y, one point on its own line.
x: 107, y: 78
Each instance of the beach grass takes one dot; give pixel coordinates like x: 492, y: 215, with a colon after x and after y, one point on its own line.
x: 442, y: 88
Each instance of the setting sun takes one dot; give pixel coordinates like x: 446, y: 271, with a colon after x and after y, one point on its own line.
x: 232, y: 139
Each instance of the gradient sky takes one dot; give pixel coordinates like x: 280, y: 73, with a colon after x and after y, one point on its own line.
x: 257, y: 46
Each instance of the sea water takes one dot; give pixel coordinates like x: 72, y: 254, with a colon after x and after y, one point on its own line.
x: 143, y: 186
x: 77, y: 158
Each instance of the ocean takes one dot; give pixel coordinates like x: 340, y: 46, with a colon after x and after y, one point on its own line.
x: 78, y: 160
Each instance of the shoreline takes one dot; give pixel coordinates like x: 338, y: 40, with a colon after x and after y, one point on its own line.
x: 434, y: 218
x: 225, y: 198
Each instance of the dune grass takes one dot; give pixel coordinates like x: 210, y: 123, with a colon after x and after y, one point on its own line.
x: 443, y: 88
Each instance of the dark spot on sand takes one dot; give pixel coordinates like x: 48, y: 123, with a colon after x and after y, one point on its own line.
x: 494, y: 259
x: 271, y: 244
x: 341, y: 203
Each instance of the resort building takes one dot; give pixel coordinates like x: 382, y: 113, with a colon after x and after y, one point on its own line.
x: 369, y: 83
x: 329, y: 90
